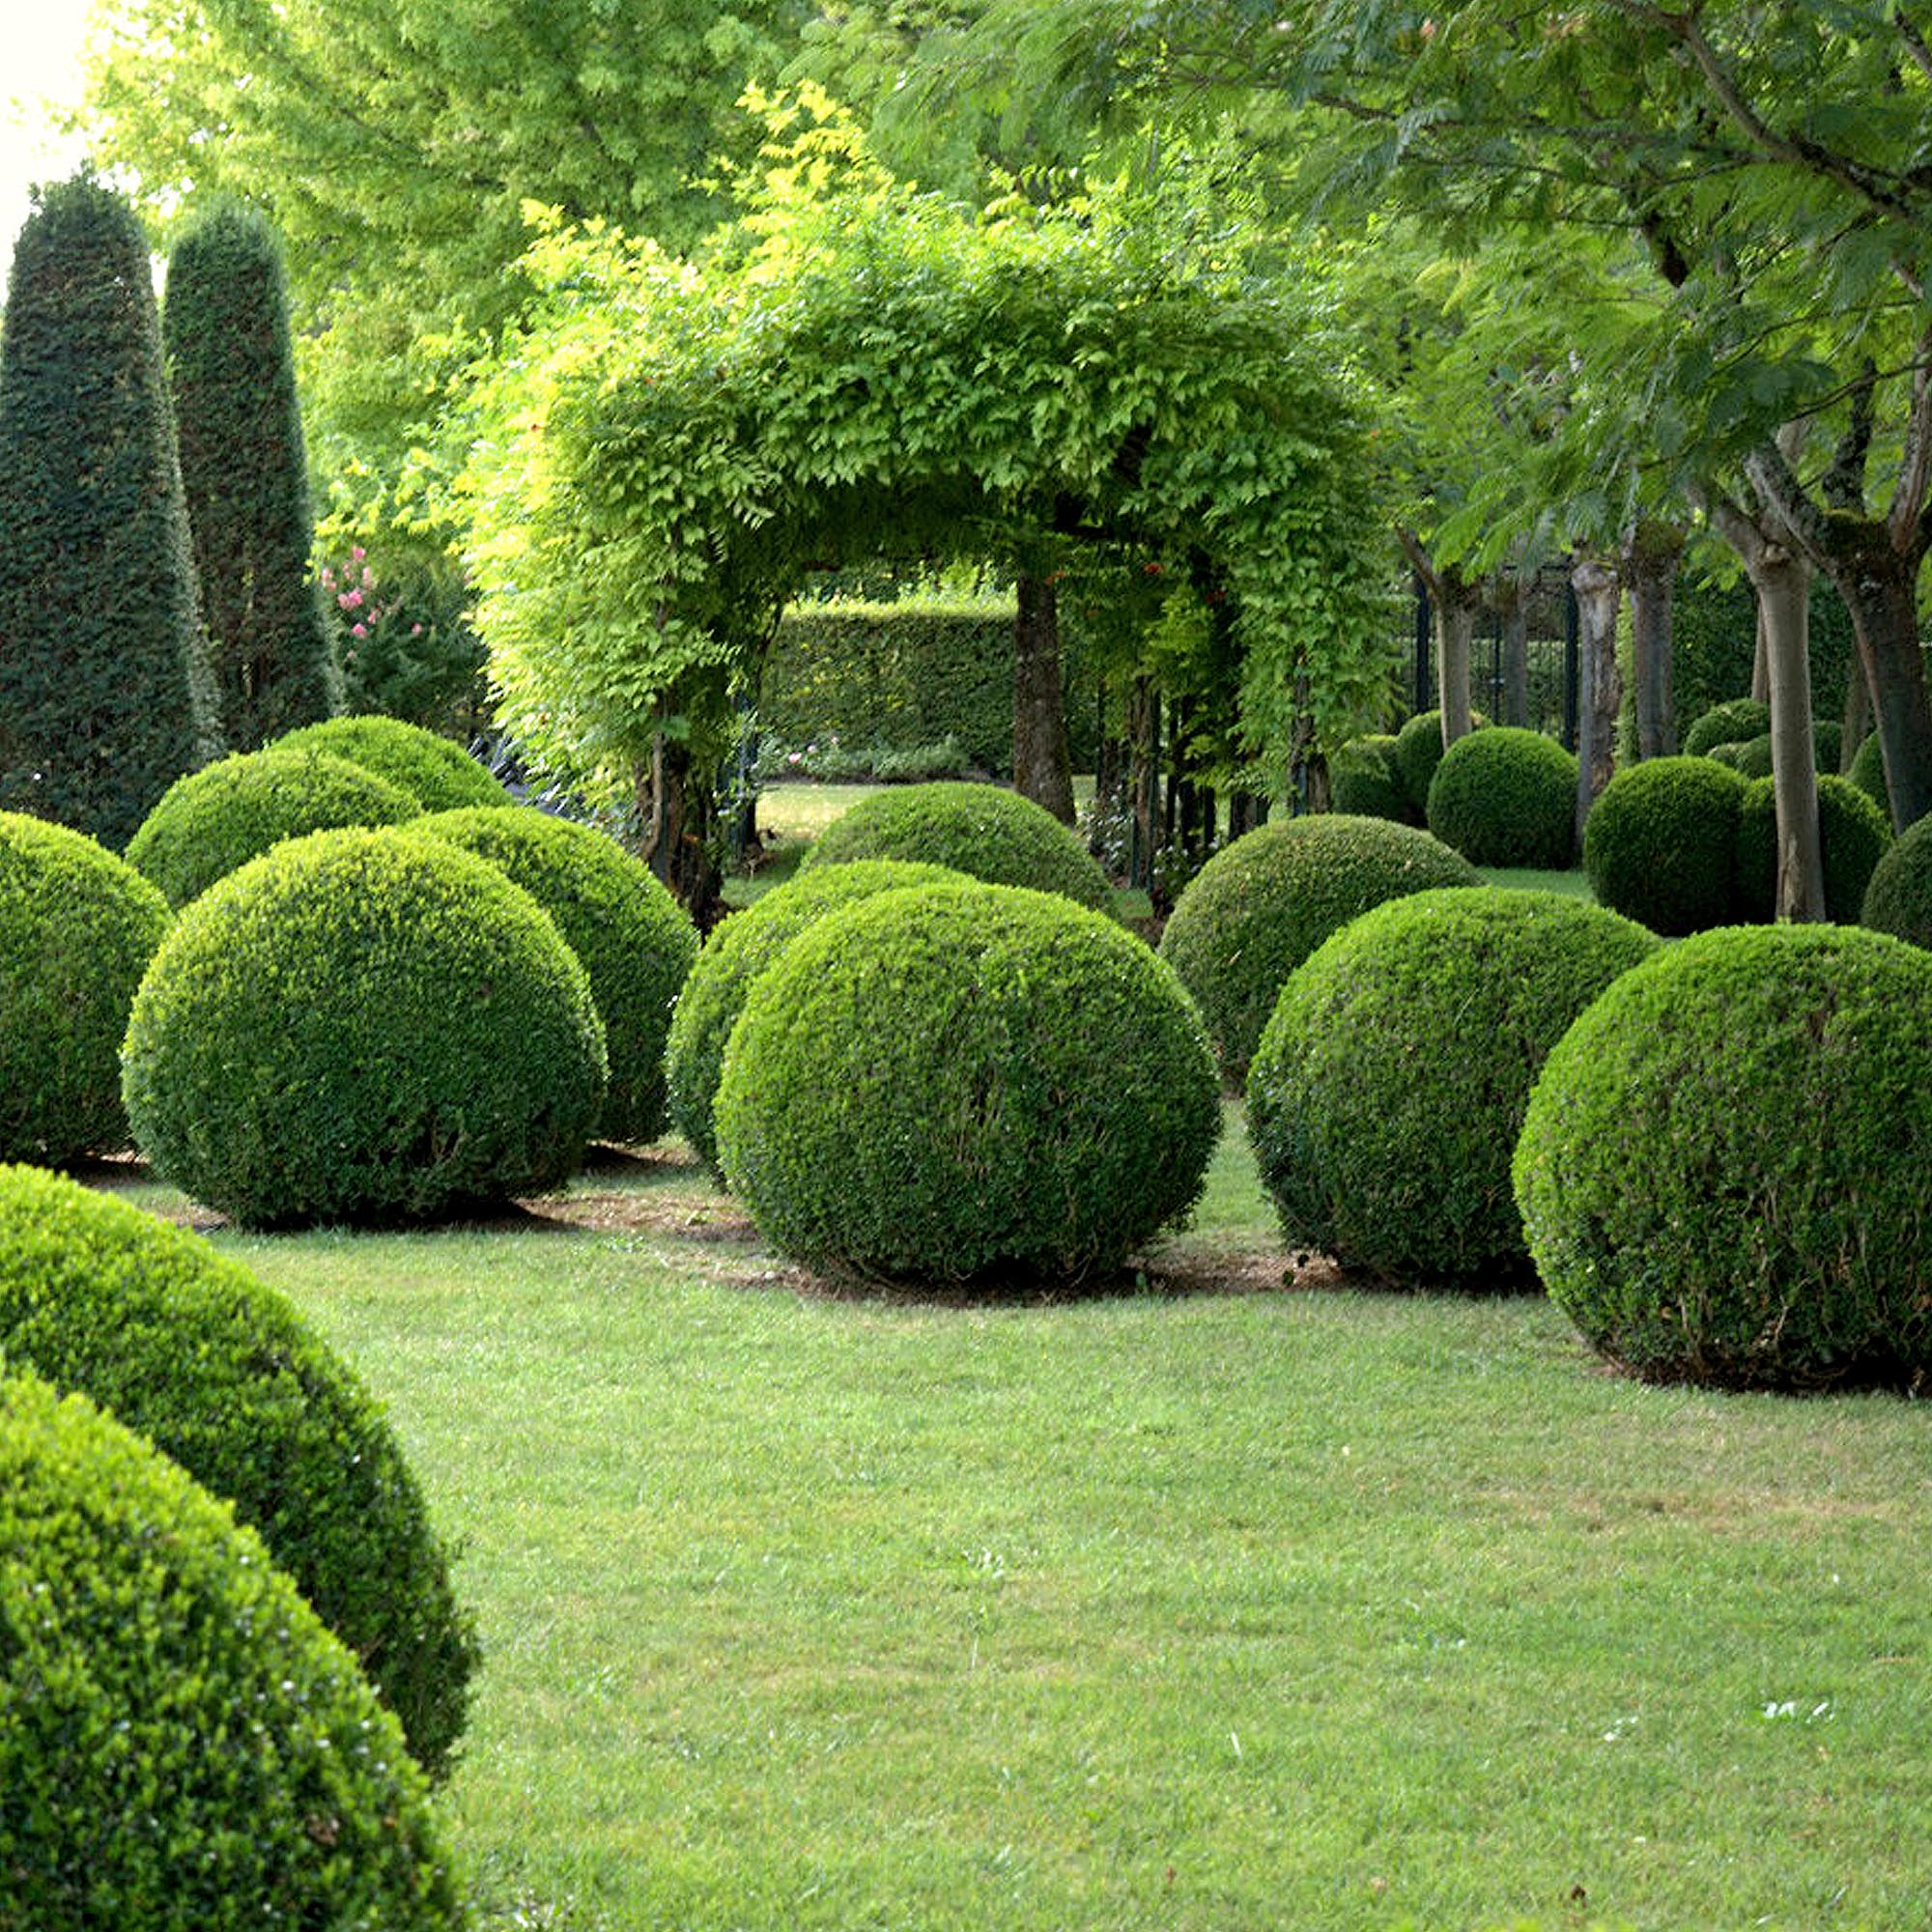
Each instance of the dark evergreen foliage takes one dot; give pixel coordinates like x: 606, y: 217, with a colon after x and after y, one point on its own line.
x: 106, y: 693
x: 231, y: 369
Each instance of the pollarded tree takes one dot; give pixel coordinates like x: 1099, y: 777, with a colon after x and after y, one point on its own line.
x: 225, y: 333
x: 105, y: 694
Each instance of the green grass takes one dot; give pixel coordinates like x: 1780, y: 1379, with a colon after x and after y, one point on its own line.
x: 1211, y: 1605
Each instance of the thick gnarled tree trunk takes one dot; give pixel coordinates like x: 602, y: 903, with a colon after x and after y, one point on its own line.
x: 1454, y: 602
x: 1042, y: 763
x: 1599, y: 683
x: 1652, y: 554
x: 677, y: 811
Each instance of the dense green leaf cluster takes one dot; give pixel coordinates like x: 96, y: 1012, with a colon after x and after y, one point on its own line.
x: 1661, y: 844
x: 189, y: 1349
x: 1365, y: 781
x: 1418, y: 751
x: 1262, y: 905
x: 363, y: 1027
x: 1853, y: 832
x: 1867, y: 773
x: 968, y: 1084
x: 1506, y: 797
x: 1899, y: 896
x: 436, y: 771
x: 1732, y: 722
x: 1389, y: 1086
x: 78, y: 928
x: 1721, y: 1169
x: 210, y: 821
x: 183, y: 1747
x: 736, y: 953
x: 982, y: 830
x: 231, y: 373
x: 635, y: 942
x: 105, y: 693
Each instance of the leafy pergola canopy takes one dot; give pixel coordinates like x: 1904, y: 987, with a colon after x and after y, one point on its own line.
x: 858, y: 369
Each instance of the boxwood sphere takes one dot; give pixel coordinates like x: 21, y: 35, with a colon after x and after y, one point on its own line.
x: 1365, y: 781
x: 737, y: 951
x: 635, y: 942
x: 961, y: 1083
x: 1853, y: 832
x: 1731, y: 722
x: 982, y: 830
x: 1389, y: 1086
x: 1506, y: 797
x: 188, y: 1348
x: 184, y: 1747
x: 435, y: 771
x: 210, y: 821
x: 1898, y: 897
x: 1659, y: 845
x: 1721, y: 1169
x: 1418, y: 751
x: 363, y: 1026
x: 78, y: 928
x: 1867, y: 773
x: 1259, y: 907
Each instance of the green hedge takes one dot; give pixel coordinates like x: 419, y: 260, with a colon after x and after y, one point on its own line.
x: 1898, y: 897
x: 1661, y: 844
x: 440, y: 774
x: 1853, y: 832
x: 1506, y: 797
x: 1364, y: 781
x: 187, y: 1347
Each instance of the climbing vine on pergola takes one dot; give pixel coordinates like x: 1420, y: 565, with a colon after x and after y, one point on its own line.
x: 859, y: 369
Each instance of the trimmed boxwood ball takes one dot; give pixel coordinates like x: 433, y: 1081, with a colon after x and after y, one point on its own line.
x: 1659, y: 845
x: 1751, y: 759
x: 1506, y: 797
x: 1418, y: 751
x: 1259, y: 907
x: 966, y: 1084
x: 210, y: 821
x: 1730, y: 722
x: 1389, y: 1087
x: 1898, y: 897
x: 78, y: 928
x: 183, y: 1747
x: 210, y: 1365
x: 363, y: 1027
x: 1722, y: 1167
x: 1852, y: 830
x: 1364, y: 781
x: 435, y: 771
x: 1867, y: 773
x: 635, y: 942
x: 982, y: 830
x: 737, y: 951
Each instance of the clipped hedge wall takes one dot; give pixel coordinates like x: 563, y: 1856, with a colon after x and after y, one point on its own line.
x: 1390, y: 1083
x: 737, y: 953
x: 1660, y: 843
x: 1506, y: 797
x: 188, y: 1348
x: 435, y: 771
x: 363, y: 1027
x: 1852, y: 830
x: 635, y: 942
x: 213, y: 820
x: 966, y: 1084
x: 1721, y: 1169
x: 78, y: 928
x: 184, y: 1747
x: 1260, y: 906
x: 982, y: 830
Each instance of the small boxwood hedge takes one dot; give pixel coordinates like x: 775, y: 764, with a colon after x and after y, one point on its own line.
x: 1661, y: 844
x: 1506, y: 797
x: 1365, y: 781
x: 1899, y: 896
x: 435, y: 771
x: 1731, y: 722
x: 1853, y: 835
x: 1418, y: 751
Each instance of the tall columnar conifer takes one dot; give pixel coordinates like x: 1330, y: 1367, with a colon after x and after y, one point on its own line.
x: 106, y: 693
x: 225, y: 330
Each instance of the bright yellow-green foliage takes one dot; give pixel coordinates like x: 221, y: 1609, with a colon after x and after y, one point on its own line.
x: 441, y: 774
x: 863, y: 368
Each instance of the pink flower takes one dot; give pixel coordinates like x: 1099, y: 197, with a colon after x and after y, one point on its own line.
x: 359, y: 630
x: 350, y: 599
x: 415, y: 630
x: 357, y: 554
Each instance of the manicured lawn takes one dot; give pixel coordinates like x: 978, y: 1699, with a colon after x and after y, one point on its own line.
x: 1215, y: 1603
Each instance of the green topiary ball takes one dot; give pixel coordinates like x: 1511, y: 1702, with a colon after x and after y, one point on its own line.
x: 213, y: 820
x: 1721, y: 1170
x: 436, y: 771
x: 1853, y: 831
x: 78, y: 928
x: 1259, y: 907
x: 1730, y: 722
x: 188, y: 1348
x: 635, y: 942
x: 1389, y: 1086
x: 363, y: 1027
x: 1506, y: 797
x: 1867, y: 773
x: 1365, y: 781
x: 1418, y: 751
x: 1898, y: 897
x: 1751, y: 758
x: 980, y: 830
x: 184, y: 1747
x: 737, y: 951
x: 960, y: 1083
x: 1659, y: 845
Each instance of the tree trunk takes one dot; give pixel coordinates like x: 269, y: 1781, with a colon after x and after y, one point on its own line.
x: 1456, y: 602
x: 1599, y: 591
x: 1042, y: 764
x: 1879, y: 587
x: 678, y: 808
x: 1760, y: 689
x: 1143, y: 779
x: 1858, y: 713
x: 1513, y: 608
x: 1782, y: 580
x: 1652, y: 554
